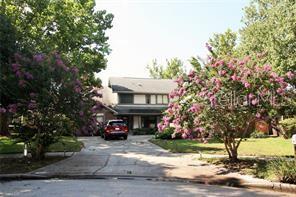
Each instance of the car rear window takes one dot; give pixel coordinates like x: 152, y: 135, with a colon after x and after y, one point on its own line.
x: 117, y: 123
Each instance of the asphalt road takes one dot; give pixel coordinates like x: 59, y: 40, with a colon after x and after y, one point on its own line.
x: 115, y: 187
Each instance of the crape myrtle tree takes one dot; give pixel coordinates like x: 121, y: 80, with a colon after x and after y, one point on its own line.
x: 225, y: 97
x: 45, y: 96
x: 73, y: 28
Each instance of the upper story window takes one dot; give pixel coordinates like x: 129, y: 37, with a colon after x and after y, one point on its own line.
x: 126, y: 98
x: 162, y: 99
x: 148, y: 99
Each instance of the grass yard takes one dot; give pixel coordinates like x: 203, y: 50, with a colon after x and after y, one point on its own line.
x: 251, y: 147
x: 69, y: 144
x: 23, y: 165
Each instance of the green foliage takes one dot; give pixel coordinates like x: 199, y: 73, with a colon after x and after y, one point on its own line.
x: 284, y: 169
x: 167, y: 134
x: 270, y: 28
x: 144, y: 131
x: 258, y: 134
x: 289, y: 126
x: 224, y: 45
x: 71, y: 27
x: 173, y: 69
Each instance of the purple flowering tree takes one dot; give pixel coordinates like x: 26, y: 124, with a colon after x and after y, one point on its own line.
x: 225, y: 98
x: 44, y: 95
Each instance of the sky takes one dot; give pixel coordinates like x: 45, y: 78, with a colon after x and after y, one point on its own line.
x: 144, y: 30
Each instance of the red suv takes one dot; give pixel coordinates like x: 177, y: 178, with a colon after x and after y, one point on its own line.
x: 115, y: 128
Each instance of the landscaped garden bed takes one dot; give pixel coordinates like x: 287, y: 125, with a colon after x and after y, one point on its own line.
x: 279, y: 169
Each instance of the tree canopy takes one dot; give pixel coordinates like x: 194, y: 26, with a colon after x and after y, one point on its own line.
x: 172, y: 70
x: 73, y: 28
x: 270, y: 28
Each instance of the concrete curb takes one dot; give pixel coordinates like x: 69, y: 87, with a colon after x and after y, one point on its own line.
x: 281, y: 187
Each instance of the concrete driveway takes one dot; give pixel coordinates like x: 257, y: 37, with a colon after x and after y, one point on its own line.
x: 138, y: 157
x: 135, y: 156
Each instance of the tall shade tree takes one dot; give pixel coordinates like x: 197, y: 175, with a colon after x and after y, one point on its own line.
x: 172, y: 70
x: 71, y: 27
x: 270, y: 27
x: 223, y: 44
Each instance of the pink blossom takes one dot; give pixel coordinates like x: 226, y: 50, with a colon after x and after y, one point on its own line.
x: 22, y: 83
x: 255, y: 101
x: 290, y: 75
x: 231, y: 66
x: 179, y: 80
x: 221, y: 72
x: 280, y: 90
x: 191, y: 74
x: 251, y: 95
x: 15, y: 67
x: 38, y: 58
x: 209, y: 47
x: 75, y: 70
x: 59, y: 62
x: 213, y: 101
x: 194, y: 108
x: 258, y: 115
x: 12, y: 108
x: 19, y: 74
x: 267, y: 67
x: 184, y: 136
x: 32, y: 104
x: 28, y: 76
x: 247, y: 84
x: 81, y: 113
x: 273, y: 74
x: 234, y: 77
x: 77, y: 89
x: 2, y: 110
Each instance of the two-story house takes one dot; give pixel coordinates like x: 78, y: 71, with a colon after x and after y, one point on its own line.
x: 138, y: 101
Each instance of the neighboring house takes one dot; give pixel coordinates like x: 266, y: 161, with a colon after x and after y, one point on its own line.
x: 138, y: 101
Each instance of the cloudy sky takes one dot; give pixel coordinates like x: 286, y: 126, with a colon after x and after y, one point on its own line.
x: 147, y: 29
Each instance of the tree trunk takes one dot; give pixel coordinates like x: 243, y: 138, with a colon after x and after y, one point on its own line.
x: 231, y: 149
x: 4, y: 122
x: 38, y: 152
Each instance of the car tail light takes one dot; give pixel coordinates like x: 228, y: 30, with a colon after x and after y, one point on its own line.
x: 125, y: 129
x: 109, y: 129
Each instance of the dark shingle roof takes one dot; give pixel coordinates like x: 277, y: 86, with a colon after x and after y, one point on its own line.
x: 141, y: 85
x: 139, y: 110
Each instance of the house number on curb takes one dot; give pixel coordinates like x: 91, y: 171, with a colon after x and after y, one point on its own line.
x: 294, y: 143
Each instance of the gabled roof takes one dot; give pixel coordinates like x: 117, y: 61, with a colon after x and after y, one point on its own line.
x: 141, y: 85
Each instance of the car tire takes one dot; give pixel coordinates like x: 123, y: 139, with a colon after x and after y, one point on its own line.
x: 106, y: 137
x: 125, y: 137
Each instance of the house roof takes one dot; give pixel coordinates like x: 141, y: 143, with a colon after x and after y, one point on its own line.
x: 139, y: 110
x: 141, y: 85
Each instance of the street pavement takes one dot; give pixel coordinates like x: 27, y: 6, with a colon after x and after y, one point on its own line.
x: 116, y: 187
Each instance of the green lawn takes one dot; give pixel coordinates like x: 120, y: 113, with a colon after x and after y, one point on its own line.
x: 68, y: 144
x: 252, y: 147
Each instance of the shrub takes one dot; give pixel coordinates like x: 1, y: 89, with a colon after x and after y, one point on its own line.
x: 289, y: 126
x: 258, y: 134
x: 144, y: 131
x: 284, y: 169
x: 167, y: 134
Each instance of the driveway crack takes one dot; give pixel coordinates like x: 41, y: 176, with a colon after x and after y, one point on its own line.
x: 105, y: 164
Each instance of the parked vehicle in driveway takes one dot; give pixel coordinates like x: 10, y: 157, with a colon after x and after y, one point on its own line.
x: 115, y: 128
